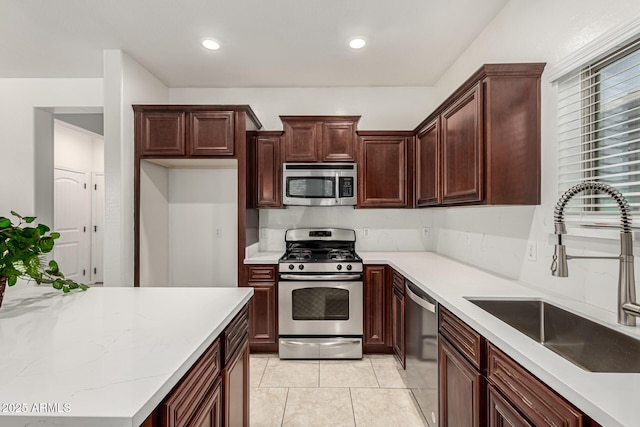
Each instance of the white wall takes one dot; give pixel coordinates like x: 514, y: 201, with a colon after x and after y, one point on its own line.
x: 388, y: 229
x: 388, y: 108
x: 203, y: 224
x: 20, y: 100
x: 125, y: 83
x: 77, y: 149
x: 154, y: 225
x: 540, y: 31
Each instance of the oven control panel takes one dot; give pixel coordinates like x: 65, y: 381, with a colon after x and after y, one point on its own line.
x: 313, y: 267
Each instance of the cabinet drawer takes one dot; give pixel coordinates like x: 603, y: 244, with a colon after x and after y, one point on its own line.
x: 184, y: 399
x: 236, y: 333
x: 263, y: 273
x: 465, y: 339
x: 542, y: 406
x: 398, y: 281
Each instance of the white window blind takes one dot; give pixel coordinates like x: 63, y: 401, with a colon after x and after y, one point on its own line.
x: 599, y: 131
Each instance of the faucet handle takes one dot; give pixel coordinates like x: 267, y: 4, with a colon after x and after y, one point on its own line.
x: 559, y: 266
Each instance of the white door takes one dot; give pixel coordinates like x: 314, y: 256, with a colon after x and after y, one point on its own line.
x: 72, y: 219
x: 97, y: 241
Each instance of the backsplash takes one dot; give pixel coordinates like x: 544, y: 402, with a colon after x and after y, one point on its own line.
x: 376, y: 229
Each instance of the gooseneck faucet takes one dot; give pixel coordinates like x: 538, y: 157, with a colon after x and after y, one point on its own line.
x: 628, y: 309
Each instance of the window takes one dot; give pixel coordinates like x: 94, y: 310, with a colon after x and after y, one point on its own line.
x: 599, y: 131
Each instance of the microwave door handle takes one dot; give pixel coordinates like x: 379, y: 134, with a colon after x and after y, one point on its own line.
x: 337, y: 188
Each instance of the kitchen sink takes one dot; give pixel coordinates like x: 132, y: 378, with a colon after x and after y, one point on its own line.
x: 585, y: 343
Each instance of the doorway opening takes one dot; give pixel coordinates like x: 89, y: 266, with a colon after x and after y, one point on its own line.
x: 78, y: 195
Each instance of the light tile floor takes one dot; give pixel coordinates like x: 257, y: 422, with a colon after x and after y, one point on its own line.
x: 331, y: 393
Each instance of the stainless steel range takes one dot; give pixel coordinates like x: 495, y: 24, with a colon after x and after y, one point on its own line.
x: 320, y: 295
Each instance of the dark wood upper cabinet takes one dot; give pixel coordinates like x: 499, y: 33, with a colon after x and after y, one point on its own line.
x: 268, y: 170
x: 161, y: 133
x: 211, y: 133
x: 462, y: 149
x: 383, y: 174
x: 338, y: 141
x: 427, y: 168
x: 319, y: 138
x: 301, y: 140
x: 488, y: 141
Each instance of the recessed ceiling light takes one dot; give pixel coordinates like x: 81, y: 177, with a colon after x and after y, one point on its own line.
x: 211, y: 44
x: 357, y: 43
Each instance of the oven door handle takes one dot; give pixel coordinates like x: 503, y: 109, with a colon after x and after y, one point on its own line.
x: 337, y: 188
x: 322, y: 344
x: 319, y: 277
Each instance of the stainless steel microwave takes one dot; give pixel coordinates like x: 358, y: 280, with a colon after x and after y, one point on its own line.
x: 319, y: 184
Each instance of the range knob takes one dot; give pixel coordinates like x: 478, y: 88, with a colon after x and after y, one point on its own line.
x: 339, y: 267
x: 301, y: 267
x: 349, y: 267
x: 290, y: 266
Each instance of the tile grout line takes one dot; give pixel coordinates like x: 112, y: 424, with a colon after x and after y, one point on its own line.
x: 374, y: 373
x: 353, y: 409
x: 263, y: 371
x: 284, y: 408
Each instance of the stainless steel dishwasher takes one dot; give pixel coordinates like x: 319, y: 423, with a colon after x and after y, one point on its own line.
x: 422, y: 350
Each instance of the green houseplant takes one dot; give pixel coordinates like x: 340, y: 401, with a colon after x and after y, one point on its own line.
x: 21, y: 249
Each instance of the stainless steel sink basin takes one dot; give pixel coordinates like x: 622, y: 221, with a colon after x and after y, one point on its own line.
x: 587, y: 344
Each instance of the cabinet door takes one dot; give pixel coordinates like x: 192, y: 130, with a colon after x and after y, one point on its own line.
x: 502, y: 413
x: 263, y: 328
x: 428, y: 165
x: 269, y: 166
x: 397, y: 320
x: 338, y: 141
x: 235, y: 377
x: 376, y: 310
x: 210, y: 412
x: 460, y: 389
x: 161, y: 133
x: 462, y: 149
x: 211, y: 133
x: 301, y: 141
x: 382, y: 172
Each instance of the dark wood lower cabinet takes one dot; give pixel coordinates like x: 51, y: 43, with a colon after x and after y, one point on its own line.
x: 514, y: 396
x: 215, y: 391
x: 263, y: 308
x: 210, y: 412
x: 397, y: 320
x: 235, y: 378
x: 376, y: 310
x: 461, y: 389
x: 502, y: 413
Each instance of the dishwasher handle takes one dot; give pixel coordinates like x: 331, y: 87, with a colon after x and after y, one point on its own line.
x: 422, y: 302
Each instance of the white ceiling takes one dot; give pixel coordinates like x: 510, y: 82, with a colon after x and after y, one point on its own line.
x: 265, y: 43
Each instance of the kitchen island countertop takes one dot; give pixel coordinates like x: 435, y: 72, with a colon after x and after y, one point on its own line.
x: 104, y: 357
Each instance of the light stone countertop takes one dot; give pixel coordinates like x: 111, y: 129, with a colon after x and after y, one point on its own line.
x: 611, y: 399
x: 104, y: 357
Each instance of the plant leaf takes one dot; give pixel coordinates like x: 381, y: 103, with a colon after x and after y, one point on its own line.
x: 54, y: 235
x: 43, y: 229
x: 46, y: 244
x: 29, y: 219
x: 5, y: 222
x: 16, y: 214
x: 53, y: 266
x: 12, y: 280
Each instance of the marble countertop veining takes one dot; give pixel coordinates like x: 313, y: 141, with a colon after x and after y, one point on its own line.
x: 105, y: 357
x: 611, y: 399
